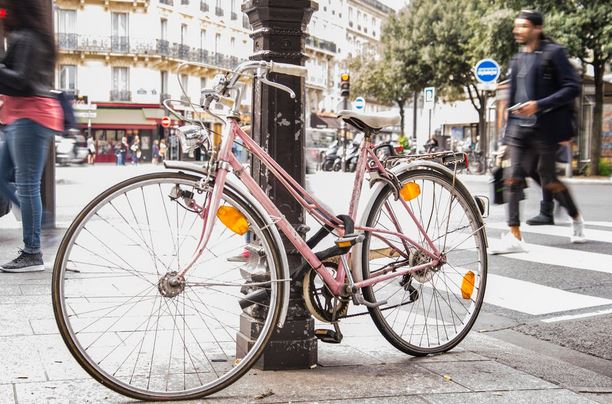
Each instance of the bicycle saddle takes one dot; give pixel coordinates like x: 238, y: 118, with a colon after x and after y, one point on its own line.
x: 363, y: 121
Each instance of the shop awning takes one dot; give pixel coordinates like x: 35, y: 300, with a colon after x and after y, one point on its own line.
x: 329, y: 121
x: 128, y: 118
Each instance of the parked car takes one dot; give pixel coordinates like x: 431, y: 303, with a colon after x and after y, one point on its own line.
x: 70, y: 148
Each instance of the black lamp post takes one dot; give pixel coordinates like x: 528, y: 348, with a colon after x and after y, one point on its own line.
x: 279, y: 126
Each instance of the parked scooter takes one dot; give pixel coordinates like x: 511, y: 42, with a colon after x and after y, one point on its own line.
x: 330, y: 156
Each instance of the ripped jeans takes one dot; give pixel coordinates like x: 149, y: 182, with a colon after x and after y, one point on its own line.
x: 525, y: 153
x: 24, y: 154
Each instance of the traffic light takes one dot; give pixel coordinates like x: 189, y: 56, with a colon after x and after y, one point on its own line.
x: 345, y: 85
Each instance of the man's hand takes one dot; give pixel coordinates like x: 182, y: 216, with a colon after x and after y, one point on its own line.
x: 528, y: 109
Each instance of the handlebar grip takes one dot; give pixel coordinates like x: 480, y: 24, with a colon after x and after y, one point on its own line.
x: 286, y: 68
x: 227, y: 101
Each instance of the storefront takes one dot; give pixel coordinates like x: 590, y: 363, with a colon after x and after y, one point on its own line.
x: 113, y: 122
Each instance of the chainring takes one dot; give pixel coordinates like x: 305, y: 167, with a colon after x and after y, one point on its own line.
x: 321, y: 303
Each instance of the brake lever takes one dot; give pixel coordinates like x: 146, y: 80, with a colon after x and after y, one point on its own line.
x: 264, y: 79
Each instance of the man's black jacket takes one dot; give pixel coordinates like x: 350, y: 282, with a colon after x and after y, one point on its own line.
x: 556, y: 86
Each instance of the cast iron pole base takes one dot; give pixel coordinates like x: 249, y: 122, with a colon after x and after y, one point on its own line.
x: 278, y: 126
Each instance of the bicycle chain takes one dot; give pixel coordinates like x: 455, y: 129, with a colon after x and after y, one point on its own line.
x: 367, y: 312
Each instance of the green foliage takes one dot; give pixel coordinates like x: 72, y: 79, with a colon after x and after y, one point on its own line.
x: 605, y: 169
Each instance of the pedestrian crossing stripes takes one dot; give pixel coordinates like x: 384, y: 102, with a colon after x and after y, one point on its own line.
x: 560, y: 231
x: 541, y: 300
x: 557, y: 256
x: 534, y: 299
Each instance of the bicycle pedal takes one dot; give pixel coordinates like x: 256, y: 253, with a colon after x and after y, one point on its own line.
x: 328, y: 336
x: 349, y: 240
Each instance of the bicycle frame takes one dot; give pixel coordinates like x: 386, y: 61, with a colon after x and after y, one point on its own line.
x: 227, y: 160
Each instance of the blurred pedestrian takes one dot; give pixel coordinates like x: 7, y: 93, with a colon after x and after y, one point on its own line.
x: 91, y: 150
x: 543, y: 85
x: 163, y: 149
x: 155, y: 152
x: 32, y: 115
x: 136, y: 153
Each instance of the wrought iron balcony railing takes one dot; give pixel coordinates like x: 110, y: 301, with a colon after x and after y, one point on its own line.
x: 120, y: 95
x: 219, y: 11
x: 163, y: 47
x: 140, y: 46
x: 120, y: 44
x: 167, y: 2
x: 321, y: 44
x: 163, y: 97
x: 204, y: 7
x: 233, y: 16
x: 67, y: 41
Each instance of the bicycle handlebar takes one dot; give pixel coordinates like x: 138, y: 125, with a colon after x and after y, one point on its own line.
x: 286, y: 68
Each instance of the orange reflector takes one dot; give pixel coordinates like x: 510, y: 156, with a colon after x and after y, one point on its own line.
x: 344, y: 244
x: 410, y: 190
x: 467, y: 286
x: 233, y: 219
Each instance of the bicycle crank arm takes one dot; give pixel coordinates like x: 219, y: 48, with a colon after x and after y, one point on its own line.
x: 359, y: 299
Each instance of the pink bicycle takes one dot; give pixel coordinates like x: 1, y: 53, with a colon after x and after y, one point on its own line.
x: 149, y: 296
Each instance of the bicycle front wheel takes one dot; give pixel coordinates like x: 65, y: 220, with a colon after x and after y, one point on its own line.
x: 131, y: 322
x: 432, y: 310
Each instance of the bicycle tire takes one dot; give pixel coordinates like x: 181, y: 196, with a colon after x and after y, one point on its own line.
x: 417, y: 307
x: 64, y: 303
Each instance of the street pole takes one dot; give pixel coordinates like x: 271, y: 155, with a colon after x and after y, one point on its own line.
x: 343, y: 126
x: 414, y: 117
x: 429, y: 127
x: 278, y: 126
x: 47, y: 186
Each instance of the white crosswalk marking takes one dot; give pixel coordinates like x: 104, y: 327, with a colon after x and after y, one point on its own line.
x: 591, y: 234
x: 531, y: 298
x: 561, y: 257
x: 535, y: 299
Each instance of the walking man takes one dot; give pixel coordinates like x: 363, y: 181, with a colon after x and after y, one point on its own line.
x: 543, y: 85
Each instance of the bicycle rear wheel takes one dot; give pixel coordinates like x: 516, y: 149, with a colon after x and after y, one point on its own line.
x: 429, y: 311
x: 130, y: 322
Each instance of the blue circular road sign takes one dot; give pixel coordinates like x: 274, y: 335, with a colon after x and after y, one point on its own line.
x: 487, y: 71
x: 359, y: 103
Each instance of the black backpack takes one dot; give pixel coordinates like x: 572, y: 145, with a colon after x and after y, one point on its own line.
x: 548, y: 72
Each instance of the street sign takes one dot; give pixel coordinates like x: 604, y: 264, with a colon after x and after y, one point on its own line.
x: 84, y: 107
x: 359, y: 103
x: 429, y: 97
x: 487, y: 71
x: 165, y: 122
x: 85, y: 114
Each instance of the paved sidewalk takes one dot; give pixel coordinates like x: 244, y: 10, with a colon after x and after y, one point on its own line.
x: 36, y: 367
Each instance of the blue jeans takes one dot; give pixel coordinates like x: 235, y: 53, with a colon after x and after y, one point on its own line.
x: 25, y: 154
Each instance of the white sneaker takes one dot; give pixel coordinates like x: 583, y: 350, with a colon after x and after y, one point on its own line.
x: 578, y: 236
x: 509, y: 244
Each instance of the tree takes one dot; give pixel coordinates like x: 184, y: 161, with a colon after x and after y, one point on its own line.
x: 379, y: 80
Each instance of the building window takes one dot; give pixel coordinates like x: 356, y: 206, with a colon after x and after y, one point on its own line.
x: 66, y: 29
x: 185, y: 87
x: 120, y: 32
x: 183, y: 34
x: 121, y: 84
x: 233, y: 44
x: 202, y: 83
x: 67, y: 79
x: 164, y: 83
x: 163, y: 29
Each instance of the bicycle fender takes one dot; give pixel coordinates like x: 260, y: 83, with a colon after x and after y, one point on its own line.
x: 241, y: 191
x: 356, y: 268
